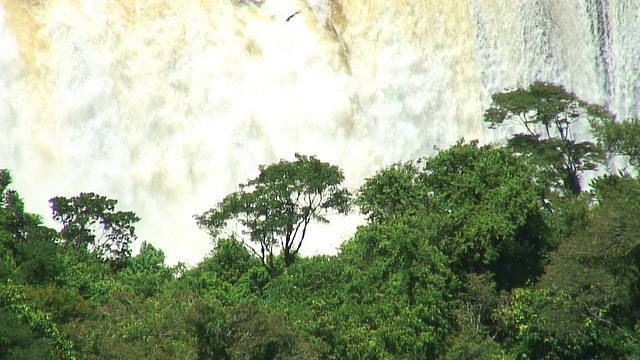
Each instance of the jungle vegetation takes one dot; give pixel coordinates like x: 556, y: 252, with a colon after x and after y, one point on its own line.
x: 499, y: 251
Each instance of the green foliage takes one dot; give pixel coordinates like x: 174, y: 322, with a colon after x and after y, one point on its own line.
x: 548, y: 111
x: 477, y: 301
x: 15, y: 224
x: 63, y: 304
x: 245, y: 332
x: 229, y: 261
x: 29, y: 250
x: 18, y: 342
x: 541, y: 103
x: 398, y: 299
x: 471, y: 346
x: 275, y: 208
x: 619, y: 138
x: 393, y: 190
x: 601, y: 264
x: 12, y: 299
x: 89, y: 221
x: 88, y: 273
x: 229, y: 274
x: 39, y: 261
x: 308, y: 296
x: 7, y: 265
x: 465, y: 255
x: 130, y: 326
x: 146, y: 273
x: 253, y: 282
x: 483, y: 205
x: 586, y: 303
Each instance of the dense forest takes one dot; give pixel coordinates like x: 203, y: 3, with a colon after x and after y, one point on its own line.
x: 499, y: 251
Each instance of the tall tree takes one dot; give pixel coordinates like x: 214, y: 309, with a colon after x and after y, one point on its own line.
x: 275, y: 209
x: 547, y: 112
x: 89, y: 221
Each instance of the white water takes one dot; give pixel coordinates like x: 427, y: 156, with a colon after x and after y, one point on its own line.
x: 168, y: 105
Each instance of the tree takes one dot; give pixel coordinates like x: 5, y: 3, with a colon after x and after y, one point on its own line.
x: 28, y: 249
x: 230, y: 274
x: 12, y: 300
x: 15, y: 224
x: 88, y: 214
x: 486, y: 210
x: 393, y: 190
x: 548, y: 111
x: 146, y: 273
x: 484, y: 206
x: 586, y: 305
x: 618, y: 138
x: 275, y: 208
x: 130, y: 326
x: 229, y: 262
x: 397, y: 297
x: 245, y: 332
x: 19, y: 342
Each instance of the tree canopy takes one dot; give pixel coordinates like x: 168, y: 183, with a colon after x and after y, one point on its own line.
x: 549, y: 112
x: 89, y: 221
x: 275, y: 209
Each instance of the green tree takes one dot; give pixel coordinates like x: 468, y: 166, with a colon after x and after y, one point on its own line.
x: 488, y: 212
x: 29, y: 249
x: 12, y: 300
x: 229, y: 261
x: 89, y: 221
x: 146, y: 273
x: 393, y: 190
x: 397, y: 296
x: 131, y: 326
x: 64, y: 304
x: 617, y: 137
x: 39, y: 260
x: 18, y: 341
x: 472, y: 346
x: 15, y: 224
x: 275, y: 209
x: 548, y: 111
x: 484, y: 206
x: 245, y: 332
x: 311, y: 296
x: 229, y: 274
x: 586, y: 304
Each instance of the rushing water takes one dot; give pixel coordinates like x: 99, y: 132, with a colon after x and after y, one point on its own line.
x: 168, y: 105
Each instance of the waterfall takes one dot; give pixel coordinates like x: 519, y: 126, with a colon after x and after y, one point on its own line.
x: 168, y: 105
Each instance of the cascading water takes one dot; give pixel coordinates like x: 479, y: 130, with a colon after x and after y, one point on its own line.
x: 168, y: 105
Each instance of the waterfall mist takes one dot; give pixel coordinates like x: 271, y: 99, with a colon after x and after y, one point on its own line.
x: 168, y: 105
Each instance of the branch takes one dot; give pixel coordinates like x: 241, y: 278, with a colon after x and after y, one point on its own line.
x: 304, y: 230
x: 250, y: 248
x: 610, y: 323
x: 525, y: 121
x: 561, y: 130
x: 295, y: 232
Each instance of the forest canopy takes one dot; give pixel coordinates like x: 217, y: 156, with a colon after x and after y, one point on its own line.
x: 477, y: 252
